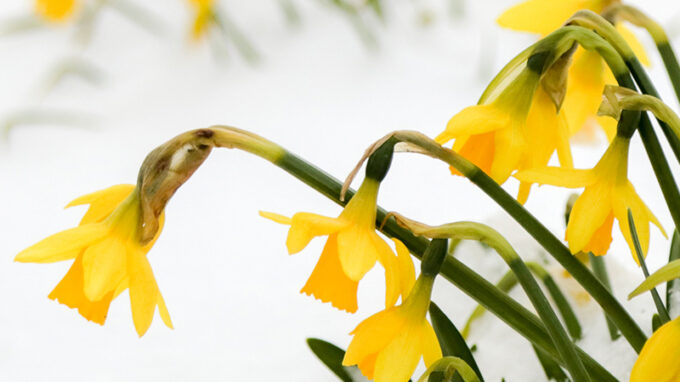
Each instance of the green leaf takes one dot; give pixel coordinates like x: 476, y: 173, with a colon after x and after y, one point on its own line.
x: 674, y: 254
x: 656, y: 322
x: 331, y: 356
x: 450, y: 339
x: 552, y: 369
x: 661, y: 309
x: 668, y: 272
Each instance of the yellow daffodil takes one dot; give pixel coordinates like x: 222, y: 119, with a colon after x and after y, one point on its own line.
x: 352, y: 249
x: 55, y: 10
x: 388, y: 345
x: 608, y: 194
x: 519, y: 129
x: 108, y: 259
x: 204, y: 14
x: 588, y: 74
x: 658, y: 360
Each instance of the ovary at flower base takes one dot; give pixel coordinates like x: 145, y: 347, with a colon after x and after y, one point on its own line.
x: 388, y: 345
x: 352, y: 249
x: 658, y: 360
x: 108, y: 259
x: 588, y: 73
x: 56, y: 10
x: 519, y: 129
x: 607, y: 196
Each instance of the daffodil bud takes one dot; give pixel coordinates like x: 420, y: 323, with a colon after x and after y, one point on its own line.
x: 164, y: 170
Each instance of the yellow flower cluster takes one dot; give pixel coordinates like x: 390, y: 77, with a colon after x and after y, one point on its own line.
x: 518, y: 131
x: 388, y: 345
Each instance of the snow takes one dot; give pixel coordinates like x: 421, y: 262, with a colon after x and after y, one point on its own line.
x: 231, y: 289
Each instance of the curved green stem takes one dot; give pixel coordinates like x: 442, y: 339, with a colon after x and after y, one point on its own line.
x: 487, y: 235
x: 508, y: 310
x: 629, y: 328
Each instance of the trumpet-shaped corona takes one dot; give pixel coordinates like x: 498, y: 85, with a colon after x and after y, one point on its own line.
x: 55, y: 10
x: 388, y: 345
x: 588, y: 74
x: 108, y: 259
x: 352, y: 249
x: 519, y: 129
x: 658, y: 360
x: 608, y: 195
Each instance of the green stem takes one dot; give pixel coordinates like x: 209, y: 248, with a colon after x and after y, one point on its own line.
x: 600, y: 271
x: 558, y: 297
x: 508, y: 310
x: 661, y: 168
x: 647, y: 87
x: 673, y: 255
x: 474, y: 285
x: 663, y: 314
x: 670, y: 61
x: 489, y: 236
x: 629, y: 328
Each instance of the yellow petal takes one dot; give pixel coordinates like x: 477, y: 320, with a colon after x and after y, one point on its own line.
x: 163, y: 311
x: 539, y: 16
x: 431, y: 349
x: 523, y: 193
x: 393, y: 283
x: 357, y: 251
x: 407, y: 272
x: 55, y: 10
x: 104, y: 266
x: 658, y: 360
x: 143, y: 291
x: 398, y: 360
x: 373, y: 334
x: 588, y: 214
x: 328, y: 281
x: 305, y: 226
x: 624, y: 198
x: 102, y: 203
x: 634, y: 44
x: 276, y: 217
x: 510, y: 146
x: 64, y: 245
x: 473, y: 120
x: 70, y: 292
x: 557, y: 176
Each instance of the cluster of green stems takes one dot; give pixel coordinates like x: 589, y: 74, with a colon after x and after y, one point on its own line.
x: 544, y: 331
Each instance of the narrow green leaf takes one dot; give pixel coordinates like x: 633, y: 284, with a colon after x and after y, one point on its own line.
x: 563, y: 306
x: 661, y: 309
x: 331, y: 356
x: 505, y: 284
x: 600, y: 271
x: 672, y: 285
x: 450, y: 339
x: 552, y: 369
x: 668, y: 272
x: 656, y: 322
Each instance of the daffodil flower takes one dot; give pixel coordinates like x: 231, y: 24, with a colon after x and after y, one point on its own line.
x: 608, y: 194
x: 204, y: 14
x: 588, y: 74
x: 108, y: 259
x: 55, y: 10
x: 519, y: 129
x: 658, y: 360
x: 352, y: 249
x: 388, y: 345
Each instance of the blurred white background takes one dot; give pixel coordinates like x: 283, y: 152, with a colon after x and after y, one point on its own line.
x: 319, y: 91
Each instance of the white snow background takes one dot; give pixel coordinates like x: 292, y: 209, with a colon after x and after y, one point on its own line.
x: 231, y: 289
